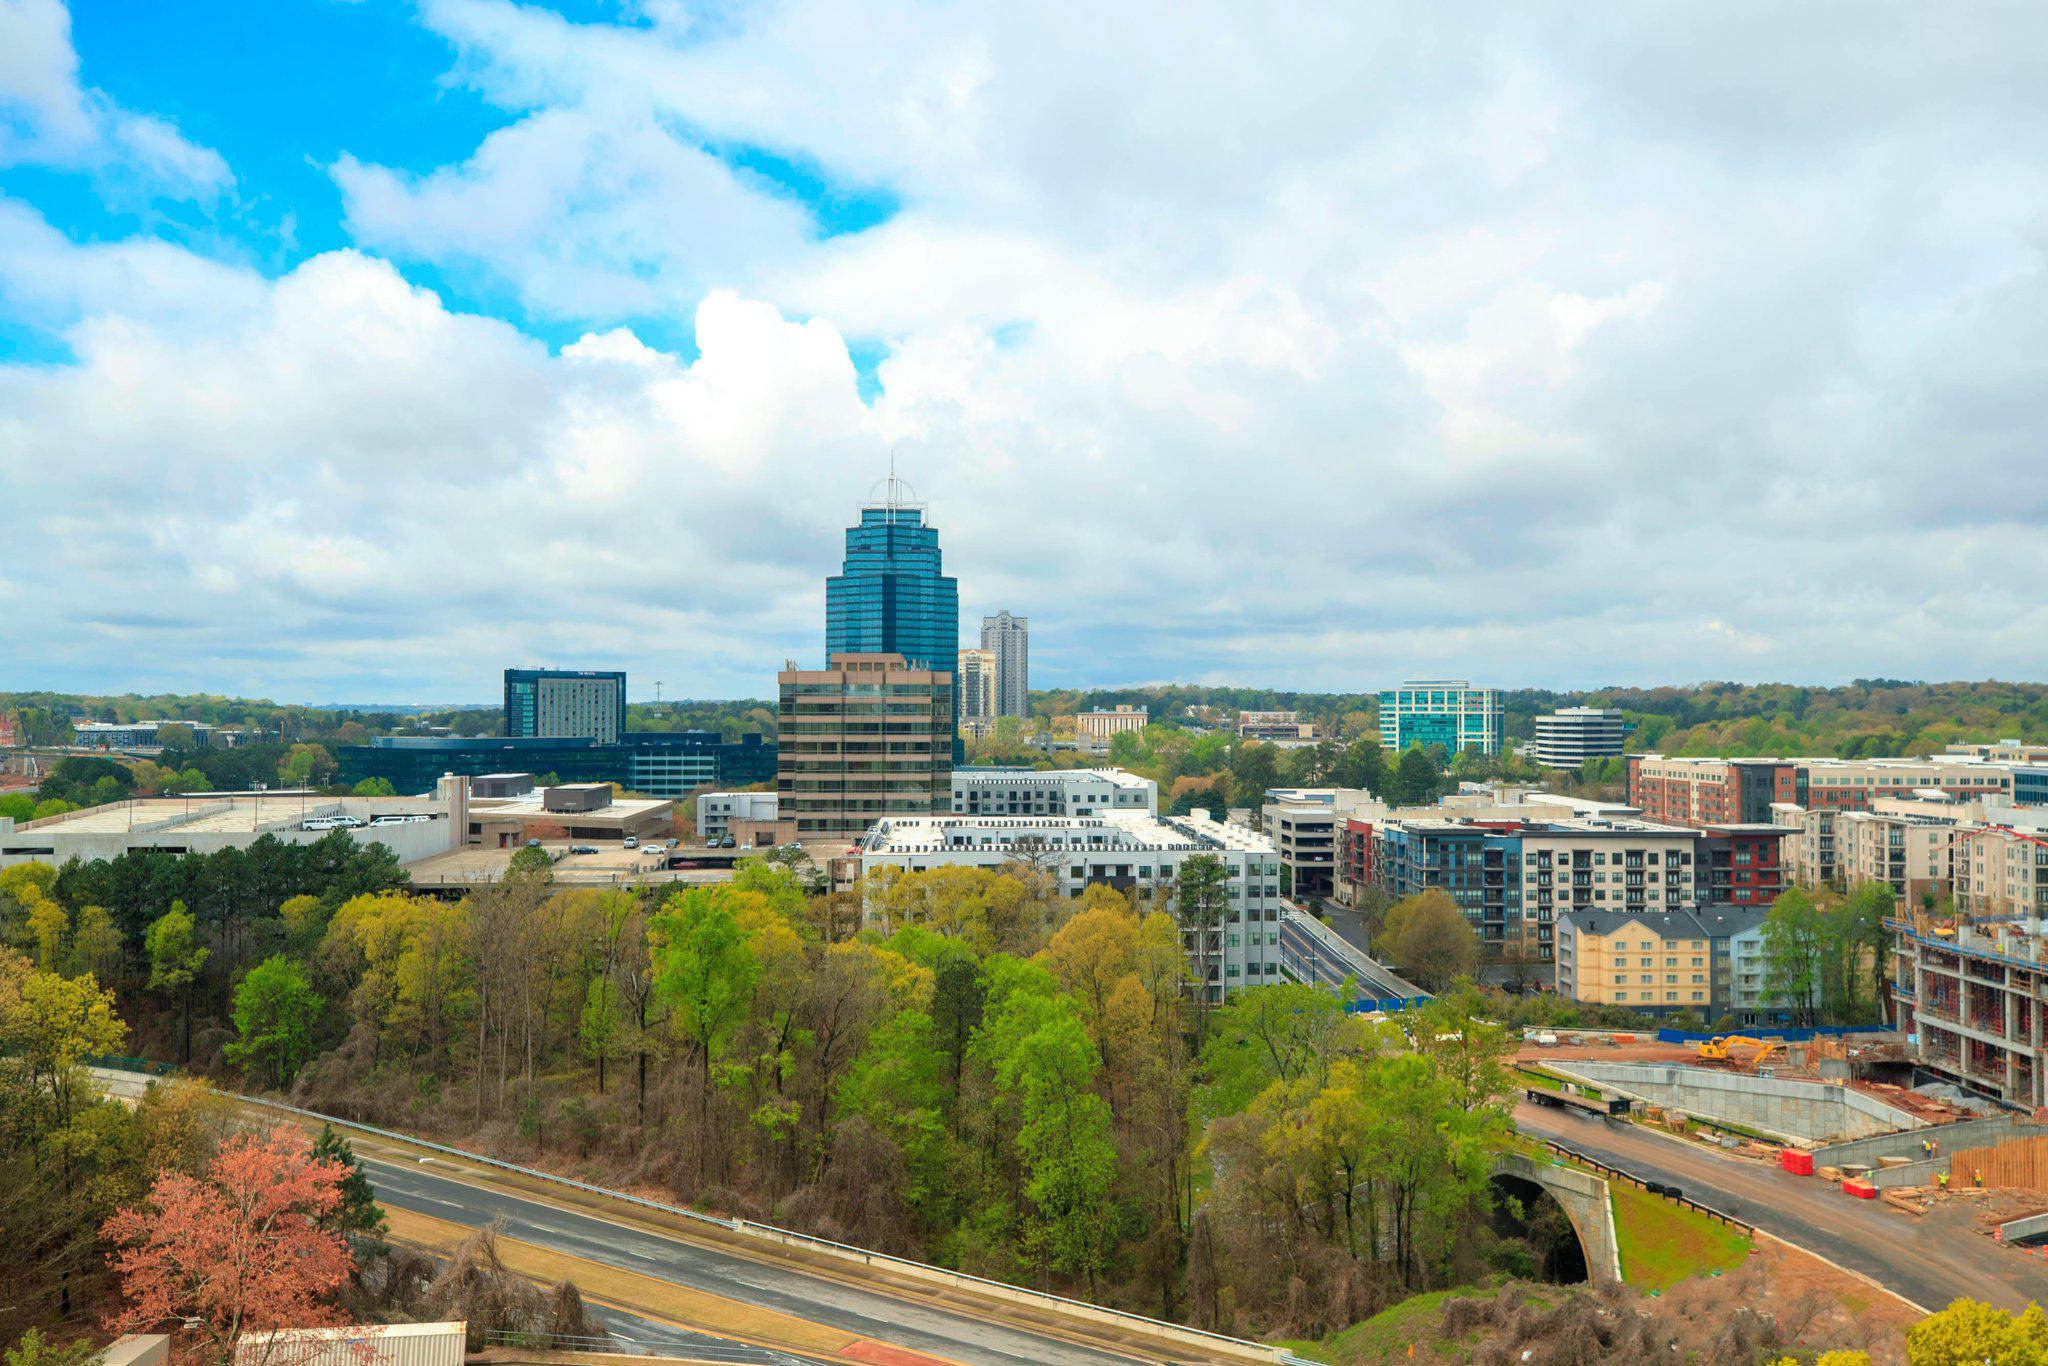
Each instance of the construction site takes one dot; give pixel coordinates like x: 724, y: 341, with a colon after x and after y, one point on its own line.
x: 1859, y: 1114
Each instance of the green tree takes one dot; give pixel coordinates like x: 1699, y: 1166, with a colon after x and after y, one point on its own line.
x: 530, y: 861
x: 1431, y: 939
x: 705, y: 972
x: 602, y: 1029
x: 358, y: 1213
x: 1795, y: 952
x: 1201, y: 898
x: 374, y: 787
x: 1865, y: 944
x: 1971, y: 1333
x: 175, y: 957
x: 275, y: 1012
x: 1417, y: 778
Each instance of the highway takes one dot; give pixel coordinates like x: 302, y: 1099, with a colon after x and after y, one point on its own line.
x: 1929, y: 1260
x: 952, y: 1335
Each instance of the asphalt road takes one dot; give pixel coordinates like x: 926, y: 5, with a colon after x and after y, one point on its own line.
x: 1316, y: 962
x: 1930, y: 1260
x: 906, y: 1323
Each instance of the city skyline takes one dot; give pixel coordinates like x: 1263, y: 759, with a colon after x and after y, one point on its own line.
x: 476, y: 330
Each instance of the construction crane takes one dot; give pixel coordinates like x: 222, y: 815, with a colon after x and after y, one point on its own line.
x: 1739, y: 1051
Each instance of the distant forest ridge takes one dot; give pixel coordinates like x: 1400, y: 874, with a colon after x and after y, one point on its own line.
x: 1867, y: 718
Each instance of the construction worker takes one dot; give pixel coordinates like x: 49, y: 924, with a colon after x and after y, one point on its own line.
x: 1980, y: 1177
x: 1941, y: 1180
x: 1927, y: 1147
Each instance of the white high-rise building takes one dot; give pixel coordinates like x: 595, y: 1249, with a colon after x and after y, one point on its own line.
x: 1572, y: 735
x: 1010, y: 639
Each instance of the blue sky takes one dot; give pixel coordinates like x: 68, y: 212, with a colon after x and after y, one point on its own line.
x: 362, y: 349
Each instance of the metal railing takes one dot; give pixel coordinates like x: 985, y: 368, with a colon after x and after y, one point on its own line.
x: 772, y: 1232
x: 1657, y: 1188
x: 738, y: 1353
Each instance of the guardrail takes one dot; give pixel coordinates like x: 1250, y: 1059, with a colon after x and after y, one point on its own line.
x: 711, y: 1353
x: 1653, y: 1187
x: 772, y: 1233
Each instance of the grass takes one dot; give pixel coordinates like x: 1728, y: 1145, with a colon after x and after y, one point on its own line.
x: 1386, y: 1336
x: 1662, y: 1242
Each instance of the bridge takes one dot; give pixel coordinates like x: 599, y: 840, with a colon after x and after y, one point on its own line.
x: 1584, y: 1199
x: 1312, y: 952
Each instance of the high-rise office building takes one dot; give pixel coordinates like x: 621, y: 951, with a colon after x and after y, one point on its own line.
x: 974, y: 684
x: 1448, y: 712
x: 890, y: 597
x: 1010, y: 639
x: 867, y: 736
x: 1567, y: 738
x: 556, y: 704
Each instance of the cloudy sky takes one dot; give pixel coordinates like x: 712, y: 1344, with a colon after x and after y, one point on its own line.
x: 353, y: 351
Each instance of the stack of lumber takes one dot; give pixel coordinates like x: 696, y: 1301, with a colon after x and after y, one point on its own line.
x: 2021, y: 1162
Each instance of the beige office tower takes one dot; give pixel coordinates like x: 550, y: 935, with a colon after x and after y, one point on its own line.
x: 864, y: 737
x: 976, y: 680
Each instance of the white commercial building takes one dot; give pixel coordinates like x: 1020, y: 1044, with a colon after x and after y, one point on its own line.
x: 1051, y: 792
x: 207, y: 822
x: 1569, y: 737
x: 716, y: 811
x: 1131, y: 851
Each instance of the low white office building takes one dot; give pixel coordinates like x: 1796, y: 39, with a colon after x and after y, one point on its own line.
x: 1051, y: 792
x: 716, y: 811
x: 1131, y: 851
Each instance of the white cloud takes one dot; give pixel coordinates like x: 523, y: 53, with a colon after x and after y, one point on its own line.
x: 1301, y: 346
x: 48, y: 118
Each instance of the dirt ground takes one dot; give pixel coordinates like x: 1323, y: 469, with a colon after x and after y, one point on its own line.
x: 1825, y: 1305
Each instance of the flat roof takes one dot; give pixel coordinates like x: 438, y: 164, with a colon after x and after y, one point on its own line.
x: 1128, y: 829
x: 219, y: 813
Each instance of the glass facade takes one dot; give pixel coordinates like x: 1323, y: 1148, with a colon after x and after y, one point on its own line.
x: 652, y: 763
x: 1446, y: 712
x: 563, y: 703
x: 890, y: 598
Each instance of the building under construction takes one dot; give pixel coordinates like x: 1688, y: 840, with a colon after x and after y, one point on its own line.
x: 1972, y: 996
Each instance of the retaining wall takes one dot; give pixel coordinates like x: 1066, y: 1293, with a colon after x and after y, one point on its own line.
x: 1969, y: 1133
x: 1792, y: 1110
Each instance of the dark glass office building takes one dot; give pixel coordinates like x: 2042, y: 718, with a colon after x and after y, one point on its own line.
x: 656, y: 763
x: 891, y: 597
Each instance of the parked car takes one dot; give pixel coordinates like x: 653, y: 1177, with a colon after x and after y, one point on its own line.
x: 630, y: 841
x: 582, y: 848
x: 726, y: 843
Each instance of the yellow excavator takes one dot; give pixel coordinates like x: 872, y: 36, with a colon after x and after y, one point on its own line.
x: 1739, y: 1051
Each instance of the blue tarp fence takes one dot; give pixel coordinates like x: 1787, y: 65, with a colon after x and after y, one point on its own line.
x: 1774, y: 1032
x: 1366, y: 1004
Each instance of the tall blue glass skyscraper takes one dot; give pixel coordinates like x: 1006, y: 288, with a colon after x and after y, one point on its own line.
x: 891, y: 598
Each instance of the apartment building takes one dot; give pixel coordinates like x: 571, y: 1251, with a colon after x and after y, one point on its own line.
x: 1810, y: 851
x: 1743, y: 790
x: 1513, y: 879
x: 2000, y: 871
x: 1659, y: 962
x: 991, y: 791
x: 1138, y: 854
x: 975, y: 679
x: 1009, y: 639
x: 1567, y: 738
x: 1447, y: 712
x: 865, y: 737
x: 1305, y: 834
x: 1360, y: 815
x: 1910, y: 852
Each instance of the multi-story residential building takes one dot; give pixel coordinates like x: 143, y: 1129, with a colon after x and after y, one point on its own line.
x: 1095, y: 729
x: 555, y: 704
x: 1277, y: 726
x: 719, y: 812
x: 2000, y: 871
x: 892, y: 596
x: 1743, y: 790
x: 1514, y: 878
x: 1360, y: 815
x: 1567, y: 738
x: 657, y: 763
x: 975, y: 679
x: 1972, y: 998
x: 1910, y: 852
x: 1694, y: 791
x: 1010, y: 638
x: 1659, y: 962
x: 1051, y: 792
x: 868, y: 736
x: 2000, y: 752
x: 1136, y: 853
x: 1810, y: 851
x: 1447, y: 712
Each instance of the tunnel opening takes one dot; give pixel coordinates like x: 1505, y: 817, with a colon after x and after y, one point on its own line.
x: 1528, y: 1218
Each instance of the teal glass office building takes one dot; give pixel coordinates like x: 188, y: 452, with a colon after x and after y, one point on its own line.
x: 891, y: 598
x: 1446, y: 712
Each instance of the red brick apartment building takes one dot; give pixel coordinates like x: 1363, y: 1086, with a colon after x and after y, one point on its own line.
x: 1740, y: 791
